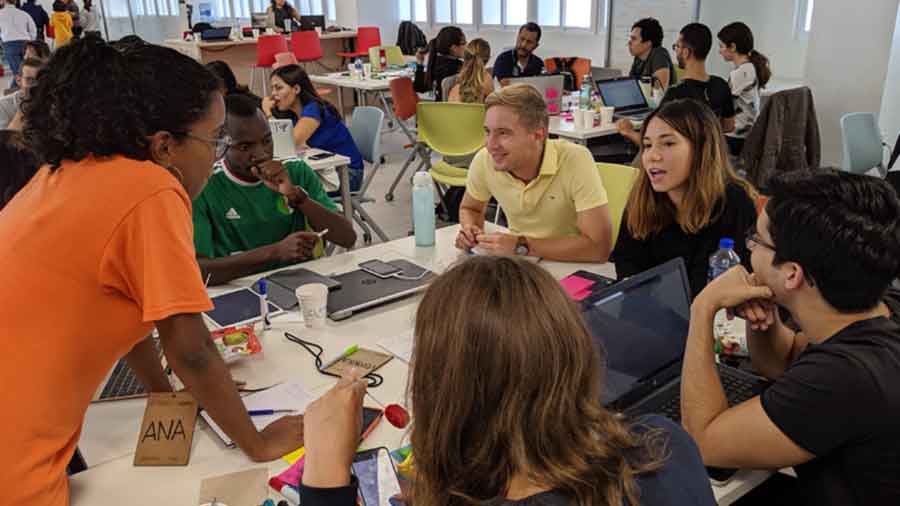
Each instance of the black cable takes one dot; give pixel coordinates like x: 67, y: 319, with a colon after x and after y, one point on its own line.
x: 316, y: 351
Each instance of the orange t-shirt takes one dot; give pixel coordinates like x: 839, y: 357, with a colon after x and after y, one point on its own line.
x: 91, y: 255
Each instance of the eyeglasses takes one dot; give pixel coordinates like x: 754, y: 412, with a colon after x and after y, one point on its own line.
x: 220, y: 144
x: 753, y: 239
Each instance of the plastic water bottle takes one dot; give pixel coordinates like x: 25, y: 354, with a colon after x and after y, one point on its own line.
x: 423, y: 209
x: 358, y: 68
x: 584, y: 99
x: 719, y: 262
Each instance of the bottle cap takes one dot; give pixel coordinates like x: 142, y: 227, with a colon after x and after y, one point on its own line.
x: 726, y: 243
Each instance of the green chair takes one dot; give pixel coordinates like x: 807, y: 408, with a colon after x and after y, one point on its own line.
x: 393, y: 53
x: 618, y: 180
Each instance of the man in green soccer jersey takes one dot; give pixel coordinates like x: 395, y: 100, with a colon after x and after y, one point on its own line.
x: 257, y: 214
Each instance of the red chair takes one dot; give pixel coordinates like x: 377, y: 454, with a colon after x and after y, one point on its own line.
x: 405, y: 103
x: 282, y: 59
x: 267, y: 46
x: 306, y: 46
x: 366, y: 37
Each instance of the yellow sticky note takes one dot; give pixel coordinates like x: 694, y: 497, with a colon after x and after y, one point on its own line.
x: 294, y: 456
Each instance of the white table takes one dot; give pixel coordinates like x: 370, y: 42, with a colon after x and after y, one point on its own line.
x: 111, y: 429
x: 341, y: 164
x: 566, y: 129
x: 361, y: 87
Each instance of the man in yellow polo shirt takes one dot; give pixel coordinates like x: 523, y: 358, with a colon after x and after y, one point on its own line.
x: 550, y: 190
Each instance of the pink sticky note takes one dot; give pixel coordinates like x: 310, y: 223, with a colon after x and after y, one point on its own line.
x: 552, y: 93
x: 576, y: 286
x: 293, y: 474
x: 553, y: 108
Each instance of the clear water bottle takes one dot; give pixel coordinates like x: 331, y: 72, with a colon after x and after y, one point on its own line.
x: 584, y: 98
x: 723, y: 259
x: 423, y: 209
x: 723, y: 328
x: 358, y: 68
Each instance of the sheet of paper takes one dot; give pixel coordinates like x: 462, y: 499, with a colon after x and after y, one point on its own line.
x: 400, y: 346
x: 284, y: 396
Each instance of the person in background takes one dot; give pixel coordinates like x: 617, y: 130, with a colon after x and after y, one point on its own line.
x: 686, y: 198
x: 131, y: 167
x: 257, y: 213
x: 750, y: 74
x: 550, y: 190
x: 224, y: 72
x: 72, y: 8
x: 37, y: 49
x: 520, y: 61
x: 650, y: 58
x: 487, y: 427
x: 90, y: 19
x: 19, y: 165
x: 61, y: 21
x: 445, y: 55
x: 16, y: 28
x: 11, y: 116
x: 475, y: 82
x: 39, y: 15
x: 282, y: 15
x: 824, y: 248
x: 317, y: 123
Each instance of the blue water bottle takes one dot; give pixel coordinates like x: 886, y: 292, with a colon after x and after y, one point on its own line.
x: 423, y: 209
x: 584, y: 98
x: 723, y: 259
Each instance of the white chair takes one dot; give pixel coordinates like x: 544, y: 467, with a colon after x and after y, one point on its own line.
x: 863, y: 145
x: 365, y: 128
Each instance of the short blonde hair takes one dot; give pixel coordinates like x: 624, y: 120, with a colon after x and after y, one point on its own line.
x: 526, y: 100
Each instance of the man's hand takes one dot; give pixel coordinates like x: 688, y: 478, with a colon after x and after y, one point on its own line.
x: 732, y: 289
x: 468, y: 237
x: 273, y: 174
x: 280, y: 438
x: 295, y: 247
x: 333, y: 423
x: 759, y: 313
x: 268, y: 103
x: 497, y: 244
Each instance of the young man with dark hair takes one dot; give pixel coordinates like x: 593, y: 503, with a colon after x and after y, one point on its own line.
x: 256, y: 213
x: 650, y: 58
x: 521, y: 61
x: 11, y: 116
x: 825, y: 248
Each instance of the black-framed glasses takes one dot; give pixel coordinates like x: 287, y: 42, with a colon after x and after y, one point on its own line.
x: 220, y: 144
x: 752, y: 239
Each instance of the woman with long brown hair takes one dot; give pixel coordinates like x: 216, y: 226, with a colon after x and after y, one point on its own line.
x: 475, y: 82
x: 506, y: 393
x: 444, y: 60
x: 751, y: 73
x: 687, y: 196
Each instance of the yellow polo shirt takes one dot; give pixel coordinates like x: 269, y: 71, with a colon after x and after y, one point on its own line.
x: 567, y: 184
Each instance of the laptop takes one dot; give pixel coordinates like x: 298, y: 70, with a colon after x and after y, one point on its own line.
x: 624, y: 93
x: 360, y: 290
x: 214, y: 34
x: 309, y: 23
x: 550, y: 87
x: 641, y: 324
x: 121, y: 382
x: 259, y: 20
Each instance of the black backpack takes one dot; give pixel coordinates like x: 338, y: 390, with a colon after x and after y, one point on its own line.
x: 410, y: 38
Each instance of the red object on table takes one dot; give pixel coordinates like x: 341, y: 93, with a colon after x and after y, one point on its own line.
x: 396, y: 415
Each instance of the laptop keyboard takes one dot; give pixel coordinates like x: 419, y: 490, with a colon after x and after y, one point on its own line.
x: 122, y: 383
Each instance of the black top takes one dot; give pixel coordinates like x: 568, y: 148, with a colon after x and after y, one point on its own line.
x: 632, y: 256
x: 657, y: 59
x: 39, y: 15
x: 840, y: 400
x: 444, y: 66
x: 715, y: 92
x: 681, y: 481
x: 283, y: 14
x: 507, y: 65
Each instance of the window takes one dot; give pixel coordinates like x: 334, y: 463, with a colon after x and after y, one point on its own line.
x: 567, y: 13
x: 457, y: 12
x: 413, y: 10
x: 803, y: 18
x: 504, y: 12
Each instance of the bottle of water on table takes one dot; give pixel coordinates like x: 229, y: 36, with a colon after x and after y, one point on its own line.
x: 423, y: 209
x: 719, y: 262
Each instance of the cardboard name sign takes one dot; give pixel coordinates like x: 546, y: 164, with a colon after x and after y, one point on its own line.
x: 167, y: 430
x: 363, y: 359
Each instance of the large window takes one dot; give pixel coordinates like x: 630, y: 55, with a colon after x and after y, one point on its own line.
x: 504, y: 12
x: 413, y: 10
x: 803, y: 18
x: 566, y: 13
x: 457, y: 12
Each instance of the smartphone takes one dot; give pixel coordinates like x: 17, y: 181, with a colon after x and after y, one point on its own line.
x: 321, y: 156
x: 371, y: 417
x: 720, y: 475
x: 377, y: 476
x: 380, y: 269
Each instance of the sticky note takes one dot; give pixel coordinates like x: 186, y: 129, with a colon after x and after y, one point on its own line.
x: 577, y: 287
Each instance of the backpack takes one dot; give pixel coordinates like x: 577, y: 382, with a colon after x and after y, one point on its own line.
x: 410, y: 38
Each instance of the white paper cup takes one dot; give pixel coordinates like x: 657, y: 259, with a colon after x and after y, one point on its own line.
x: 606, y: 115
x: 313, y: 299
x: 588, y: 119
x: 578, y: 118
x: 319, y: 30
x: 367, y: 70
x: 269, y: 31
x: 256, y: 33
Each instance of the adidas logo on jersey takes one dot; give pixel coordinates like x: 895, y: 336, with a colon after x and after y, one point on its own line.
x: 232, y: 214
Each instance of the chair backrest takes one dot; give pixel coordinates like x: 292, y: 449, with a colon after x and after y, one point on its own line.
x: 365, y: 128
x: 447, y: 84
x: 452, y: 129
x: 405, y: 97
x: 306, y: 46
x: 366, y: 37
x: 579, y: 67
x: 267, y: 46
x: 618, y: 180
x: 862, y: 142
x: 282, y: 59
x: 393, y: 54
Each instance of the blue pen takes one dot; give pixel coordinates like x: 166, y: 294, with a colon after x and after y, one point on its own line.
x: 264, y: 304
x: 263, y: 412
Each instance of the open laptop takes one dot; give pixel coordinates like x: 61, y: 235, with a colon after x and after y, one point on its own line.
x: 641, y: 324
x: 215, y: 34
x: 309, y: 23
x: 121, y: 382
x: 361, y: 290
x: 624, y: 93
x: 550, y: 87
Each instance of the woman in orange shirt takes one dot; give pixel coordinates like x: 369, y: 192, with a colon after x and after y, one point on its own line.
x: 97, y: 249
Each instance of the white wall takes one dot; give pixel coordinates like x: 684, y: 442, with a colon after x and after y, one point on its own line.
x: 381, y: 13
x: 890, y: 103
x: 846, y: 63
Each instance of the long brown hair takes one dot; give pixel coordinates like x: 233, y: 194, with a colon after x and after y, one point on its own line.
x: 471, y: 76
x: 505, y: 381
x: 648, y: 211
x: 447, y: 37
x: 739, y: 34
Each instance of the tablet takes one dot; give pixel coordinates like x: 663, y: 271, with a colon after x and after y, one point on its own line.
x: 238, y: 308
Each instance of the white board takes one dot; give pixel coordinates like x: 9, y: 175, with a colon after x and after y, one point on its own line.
x: 671, y: 14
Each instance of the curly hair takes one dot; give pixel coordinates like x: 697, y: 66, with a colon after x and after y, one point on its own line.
x: 92, y: 99
x: 19, y: 165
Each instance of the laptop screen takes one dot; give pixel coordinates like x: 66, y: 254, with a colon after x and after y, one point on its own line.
x: 621, y: 93
x: 641, y: 324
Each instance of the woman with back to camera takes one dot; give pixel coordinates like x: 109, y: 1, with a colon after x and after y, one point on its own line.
x: 475, y: 83
x: 505, y: 387
x: 445, y: 53
x: 686, y: 197
x: 750, y: 74
x: 103, y: 234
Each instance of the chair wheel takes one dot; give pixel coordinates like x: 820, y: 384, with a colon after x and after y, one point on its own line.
x: 389, y: 197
